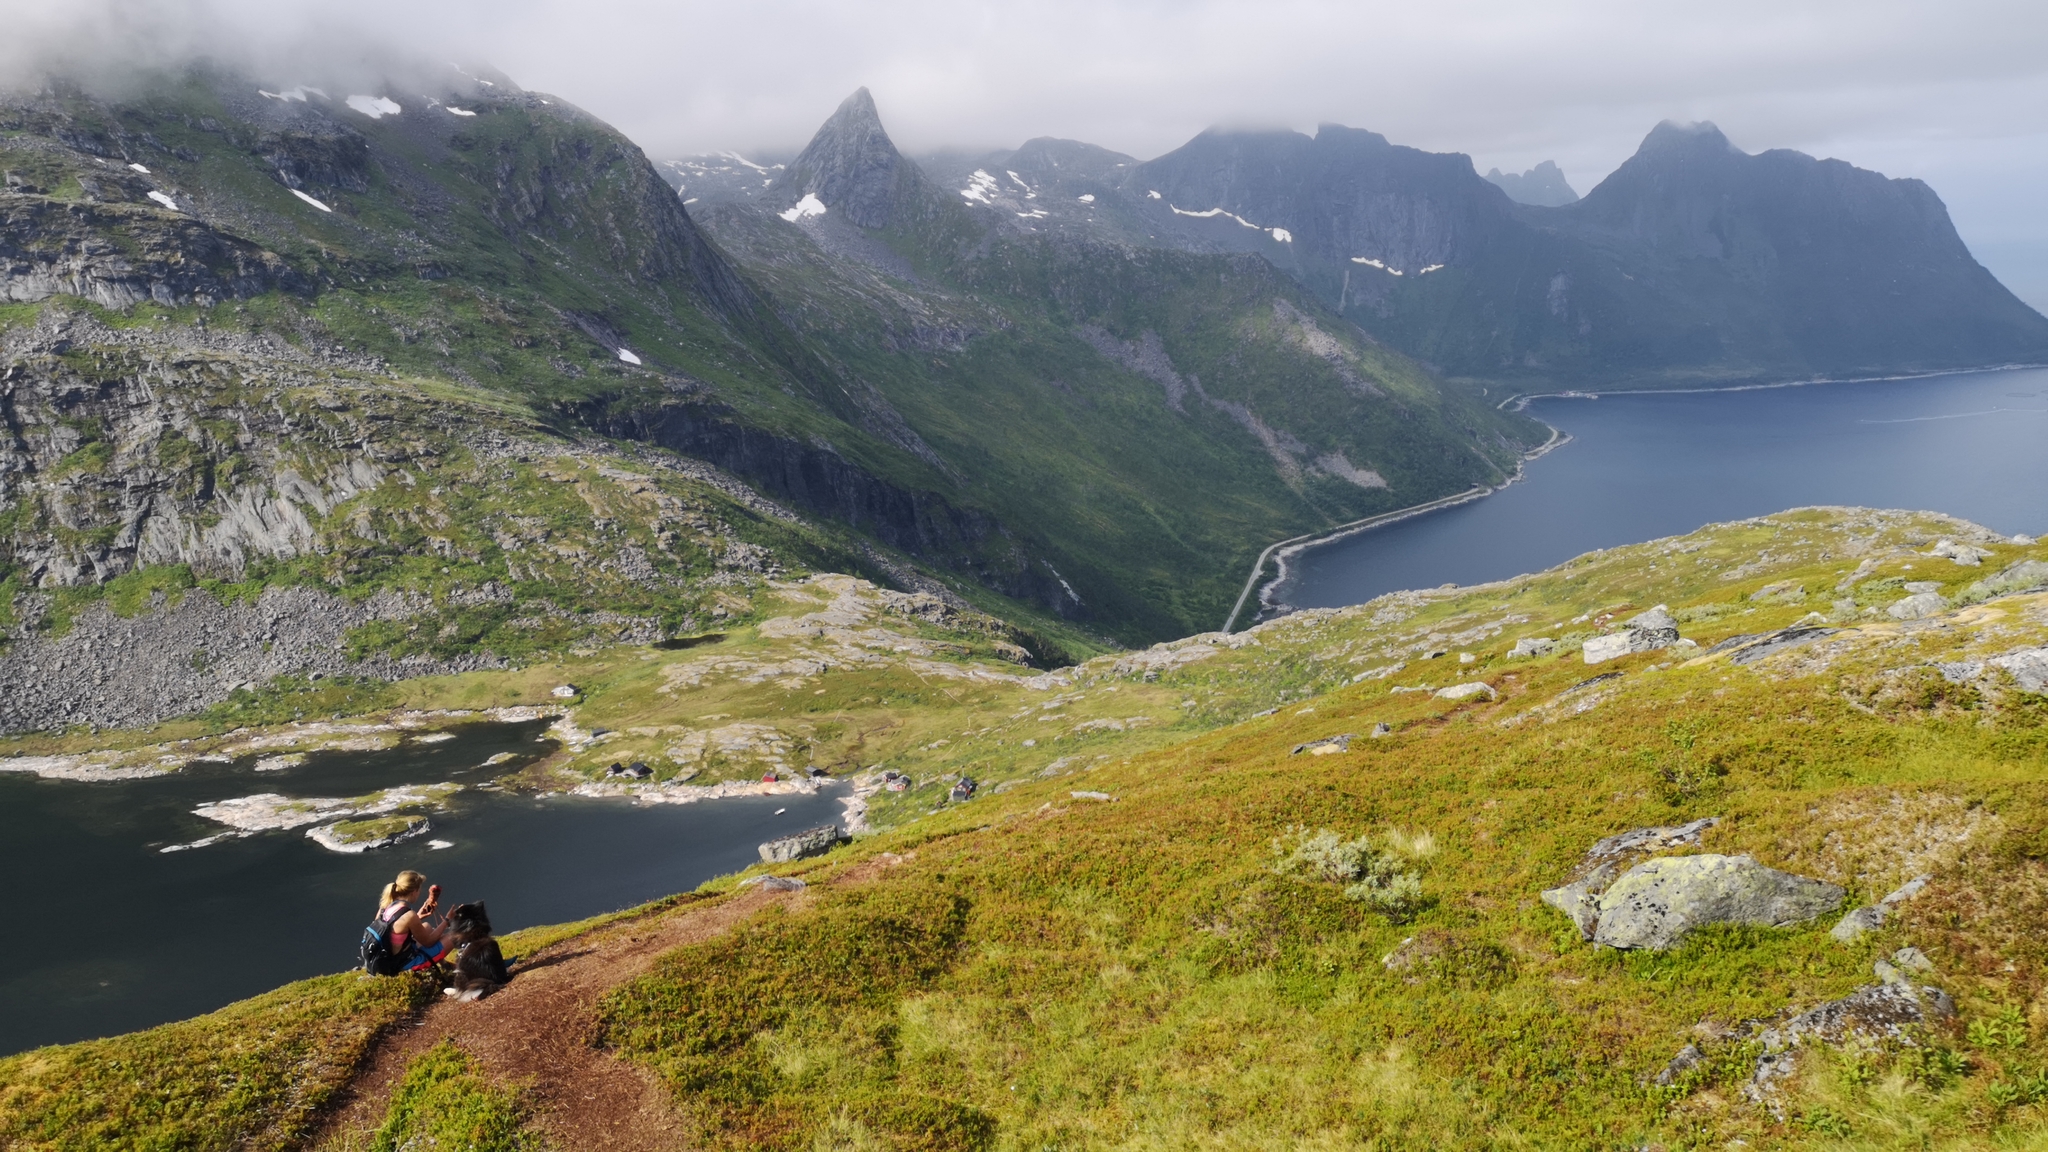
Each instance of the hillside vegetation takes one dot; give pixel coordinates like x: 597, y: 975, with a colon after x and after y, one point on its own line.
x: 1221, y: 927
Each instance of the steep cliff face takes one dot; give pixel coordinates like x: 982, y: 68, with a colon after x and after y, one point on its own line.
x: 1343, y: 196
x: 1693, y: 263
x: 1860, y: 272
x: 120, y: 451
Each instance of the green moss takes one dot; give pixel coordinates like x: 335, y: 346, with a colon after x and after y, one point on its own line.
x: 444, y: 1102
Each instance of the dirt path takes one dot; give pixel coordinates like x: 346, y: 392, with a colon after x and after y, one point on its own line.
x: 538, y: 1030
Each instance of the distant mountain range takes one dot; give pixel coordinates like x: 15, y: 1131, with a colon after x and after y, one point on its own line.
x: 1078, y: 389
x: 1544, y: 186
x: 1694, y: 263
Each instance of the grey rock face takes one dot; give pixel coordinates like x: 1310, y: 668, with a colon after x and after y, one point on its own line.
x: 2029, y: 668
x: 1532, y: 646
x: 2020, y: 576
x: 1648, y: 632
x: 1544, y: 185
x: 1918, y: 606
x: 1880, y: 1014
x: 1579, y: 896
x: 1658, y: 902
x: 1467, y: 691
x: 1858, y: 921
x: 811, y: 842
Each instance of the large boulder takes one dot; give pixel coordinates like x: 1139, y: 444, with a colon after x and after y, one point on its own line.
x: 810, y: 842
x: 1658, y: 902
x: 1648, y: 632
x: 1579, y: 896
x: 1918, y: 606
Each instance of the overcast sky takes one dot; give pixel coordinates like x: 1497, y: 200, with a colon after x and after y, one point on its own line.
x: 1955, y: 92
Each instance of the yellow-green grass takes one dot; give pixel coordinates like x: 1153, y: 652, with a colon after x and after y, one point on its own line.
x: 250, y: 1076
x: 444, y: 1102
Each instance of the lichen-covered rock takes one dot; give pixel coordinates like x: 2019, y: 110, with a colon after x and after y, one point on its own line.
x: 1648, y: 632
x: 1532, y: 646
x: 2019, y: 576
x: 1579, y: 896
x: 1467, y: 691
x: 1968, y: 555
x: 810, y: 842
x: 1918, y: 606
x: 1880, y: 1014
x: 1658, y: 902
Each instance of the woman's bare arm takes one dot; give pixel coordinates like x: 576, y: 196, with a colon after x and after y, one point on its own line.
x: 417, y: 928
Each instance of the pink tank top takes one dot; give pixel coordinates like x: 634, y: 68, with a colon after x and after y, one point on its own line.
x: 391, y: 912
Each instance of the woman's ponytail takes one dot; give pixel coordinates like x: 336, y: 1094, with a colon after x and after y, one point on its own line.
x: 407, y: 883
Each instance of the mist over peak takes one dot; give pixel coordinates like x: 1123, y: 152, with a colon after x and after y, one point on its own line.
x: 116, y: 48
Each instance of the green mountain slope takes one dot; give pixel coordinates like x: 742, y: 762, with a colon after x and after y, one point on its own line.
x: 1133, y: 935
x: 926, y: 382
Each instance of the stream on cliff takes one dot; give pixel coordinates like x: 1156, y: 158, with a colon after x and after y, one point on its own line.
x: 1646, y: 465
x: 114, y: 934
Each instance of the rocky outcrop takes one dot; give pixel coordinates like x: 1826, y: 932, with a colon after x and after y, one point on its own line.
x: 116, y: 254
x: 2028, y: 667
x: 811, y: 842
x: 1922, y: 602
x: 1890, y: 1014
x: 1467, y: 691
x: 1658, y: 902
x: 1648, y: 632
x: 122, y: 449
x: 2020, y: 576
x: 1579, y: 896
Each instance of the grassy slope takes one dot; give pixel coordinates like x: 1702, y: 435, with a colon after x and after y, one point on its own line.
x: 1041, y: 970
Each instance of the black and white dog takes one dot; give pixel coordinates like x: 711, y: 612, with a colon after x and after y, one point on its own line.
x: 479, y: 968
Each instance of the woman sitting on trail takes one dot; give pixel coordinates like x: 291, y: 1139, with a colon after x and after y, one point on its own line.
x: 415, y: 942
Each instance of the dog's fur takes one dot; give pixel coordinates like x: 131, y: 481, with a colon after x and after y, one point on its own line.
x: 479, y: 968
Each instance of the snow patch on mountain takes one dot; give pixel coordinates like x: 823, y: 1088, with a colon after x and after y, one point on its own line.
x: 810, y: 205
x: 375, y: 107
x: 980, y: 187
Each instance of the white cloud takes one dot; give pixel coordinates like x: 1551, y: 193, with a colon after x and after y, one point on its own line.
x: 1907, y: 87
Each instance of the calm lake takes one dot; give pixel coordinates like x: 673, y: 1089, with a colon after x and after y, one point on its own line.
x: 1650, y: 465
x: 113, y: 934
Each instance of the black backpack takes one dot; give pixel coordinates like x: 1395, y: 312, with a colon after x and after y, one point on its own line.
x: 375, y: 952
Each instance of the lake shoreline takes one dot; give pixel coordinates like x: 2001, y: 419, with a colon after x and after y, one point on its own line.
x: 1285, y: 550
x: 1522, y: 401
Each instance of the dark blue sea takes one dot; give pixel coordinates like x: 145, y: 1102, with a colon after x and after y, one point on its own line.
x: 1658, y: 464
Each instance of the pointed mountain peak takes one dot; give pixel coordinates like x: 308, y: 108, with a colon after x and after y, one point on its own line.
x: 850, y: 167
x: 856, y: 113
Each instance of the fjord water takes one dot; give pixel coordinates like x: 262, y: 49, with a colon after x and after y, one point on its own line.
x: 1646, y: 465
x: 110, y: 933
